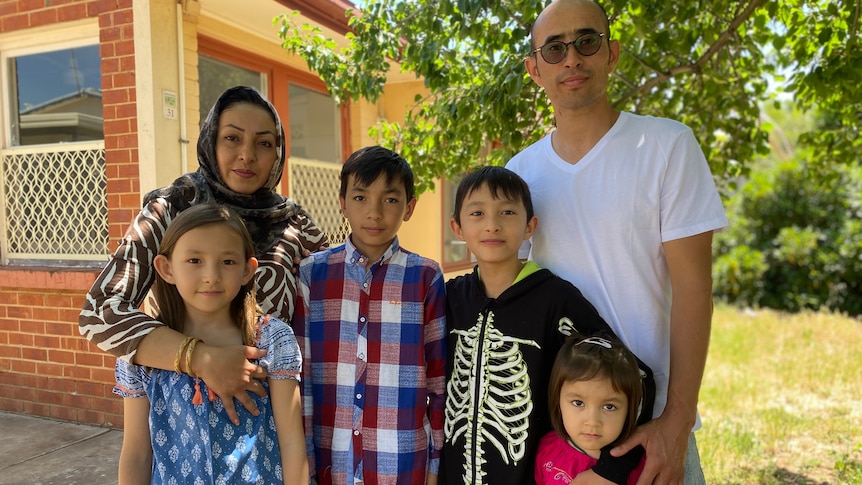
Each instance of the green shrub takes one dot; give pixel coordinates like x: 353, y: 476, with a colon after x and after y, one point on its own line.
x: 794, y: 240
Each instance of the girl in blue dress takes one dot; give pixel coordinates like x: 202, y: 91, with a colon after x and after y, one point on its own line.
x: 176, y: 430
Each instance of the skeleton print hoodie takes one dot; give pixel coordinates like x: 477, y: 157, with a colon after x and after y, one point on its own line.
x: 500, y: 354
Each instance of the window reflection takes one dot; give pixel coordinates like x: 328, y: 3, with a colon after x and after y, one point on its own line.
x: 217, y: 76
x: 315, y: 127
x: 56, y: 96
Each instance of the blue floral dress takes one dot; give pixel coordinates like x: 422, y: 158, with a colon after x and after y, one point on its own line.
x: 196, y: 443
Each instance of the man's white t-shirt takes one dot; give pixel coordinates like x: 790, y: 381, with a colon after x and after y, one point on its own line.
x: 602, y: 222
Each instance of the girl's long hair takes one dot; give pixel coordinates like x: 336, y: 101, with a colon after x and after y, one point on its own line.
x: 587, y: 358
x: 244, y: 310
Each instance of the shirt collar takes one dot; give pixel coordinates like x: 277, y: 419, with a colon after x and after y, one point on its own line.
x: 356, y: 257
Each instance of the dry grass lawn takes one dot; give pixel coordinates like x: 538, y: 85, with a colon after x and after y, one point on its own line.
x: 782, y: 399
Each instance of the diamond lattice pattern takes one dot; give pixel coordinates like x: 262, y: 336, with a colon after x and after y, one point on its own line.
x: 54, y: 202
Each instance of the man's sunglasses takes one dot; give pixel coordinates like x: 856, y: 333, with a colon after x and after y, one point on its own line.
x: 555, y: 51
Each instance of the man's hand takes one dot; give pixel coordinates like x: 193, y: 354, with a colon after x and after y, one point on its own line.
x: 666, y: 443
x: 228, y: 373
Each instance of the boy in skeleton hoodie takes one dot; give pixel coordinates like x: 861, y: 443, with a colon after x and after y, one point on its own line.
x: 506, y: 322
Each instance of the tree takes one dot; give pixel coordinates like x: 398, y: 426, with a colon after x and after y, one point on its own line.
x: 706, y: 63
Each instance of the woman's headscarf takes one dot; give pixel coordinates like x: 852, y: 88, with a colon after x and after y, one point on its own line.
x: 266, y: 213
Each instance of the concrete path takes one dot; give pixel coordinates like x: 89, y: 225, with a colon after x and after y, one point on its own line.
x: 38, y: 451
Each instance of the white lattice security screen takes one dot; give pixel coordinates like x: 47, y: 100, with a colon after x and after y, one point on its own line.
x: 314, y: 185
x: 53, y: 202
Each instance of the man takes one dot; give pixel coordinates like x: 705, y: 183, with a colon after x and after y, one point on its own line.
x: 628, y: 207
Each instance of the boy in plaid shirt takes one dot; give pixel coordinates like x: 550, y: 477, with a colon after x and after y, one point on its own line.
x: 370, y: 320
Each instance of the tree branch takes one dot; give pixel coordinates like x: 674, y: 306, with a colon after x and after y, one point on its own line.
x: 714, y: 49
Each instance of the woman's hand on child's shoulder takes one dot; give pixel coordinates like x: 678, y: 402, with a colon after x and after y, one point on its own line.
x: 228, y: 372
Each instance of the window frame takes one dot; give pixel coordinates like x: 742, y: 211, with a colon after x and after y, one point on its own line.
x: 45, y: 40
x: 278, y: 79
x: 448, y: 191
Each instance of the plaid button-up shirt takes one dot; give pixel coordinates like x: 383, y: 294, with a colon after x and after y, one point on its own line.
x: 373, y: 365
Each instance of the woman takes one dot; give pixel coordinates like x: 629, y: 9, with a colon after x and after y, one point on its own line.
x: 241, y: 157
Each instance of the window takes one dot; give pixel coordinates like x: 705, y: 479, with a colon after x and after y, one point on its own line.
x: 217, y: 76
x: 314, y: 125
x: 55, y: 96
x: 455, y: 252
x: 52, y: 157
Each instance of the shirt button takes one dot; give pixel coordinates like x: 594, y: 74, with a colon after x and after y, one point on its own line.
x: 359, y: 396
x: 365, y: 285
x: 362, y: 319
x: 361, y: 356
x: 355, y: 432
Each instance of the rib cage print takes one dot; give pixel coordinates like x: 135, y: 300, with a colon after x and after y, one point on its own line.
x: 488, y: 397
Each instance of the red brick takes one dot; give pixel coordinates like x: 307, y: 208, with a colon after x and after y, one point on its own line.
x: 89, y: 359
x: 115, y: 96
x: 30, y: 326
x: 74, y: 11
x: 51, y: 397
x: 23, y: 366
x: 46, y: 341
x: 93, y: 389
x: 117, y: 126
x: 31, y: 299
x: 9, y: 379
x: 10, y: 352
x: 121, y: 17
x: 63, y: 329
x: 37, y: 409
x: 25, y: 5
x: 75, y: 372
x: 61, y: 356
x: 49, y: 369
x: 91, y: 417
x: 97, y: 7
x: 65, y: 413
x: 8, y: 8
x: 30, y: 353
x: 76, y: 344
x: 119, y: 186
x: 61, y: 385
x: 103, y: 375
x: 25, y: 394
x: 131, y: 200
x: 49, y: 314
x: 77, y: 401
x: 106, y: 51
x: 127, y: 63
x: 15, y: 22
x: 22, y: 339
x: 11, y: 405
x: 19, y: 312
x: 107, y: 83
x: 110, y: 34
x: 7, y: 297
x: 43, y: 17
x: 34, y: 381
x: 124, y: 48
x: 126, y: 111
x: 8, y: 391
x: 128, y: 141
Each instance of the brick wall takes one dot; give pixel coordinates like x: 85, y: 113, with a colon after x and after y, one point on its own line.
x: 46, y: 367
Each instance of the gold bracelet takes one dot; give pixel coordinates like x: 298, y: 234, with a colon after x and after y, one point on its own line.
x: 179, y: 355
x: 189, y: 352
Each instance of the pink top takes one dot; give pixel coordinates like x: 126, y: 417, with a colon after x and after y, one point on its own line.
x: 558, y: 462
